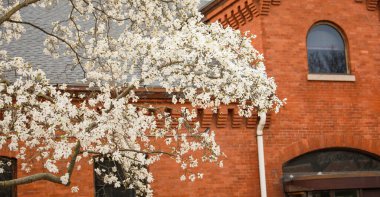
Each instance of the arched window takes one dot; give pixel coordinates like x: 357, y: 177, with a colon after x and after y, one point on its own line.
x: 326, y: 50
x: 102, y: 166
x: 332, y: 173
x: 105, y: 166
x: 8, y: 171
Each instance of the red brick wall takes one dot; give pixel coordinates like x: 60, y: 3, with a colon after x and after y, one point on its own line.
x: 239, y: 175
x: 319, y: 114
x: 83, y: 178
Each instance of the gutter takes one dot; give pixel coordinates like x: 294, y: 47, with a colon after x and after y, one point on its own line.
x: 260, y: 150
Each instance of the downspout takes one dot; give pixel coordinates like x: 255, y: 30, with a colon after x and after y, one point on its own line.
x: 260, y: 150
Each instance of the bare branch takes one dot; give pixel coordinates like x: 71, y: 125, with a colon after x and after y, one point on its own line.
x: 137, y: 151
x: 46, y: 97
x: 18, y: 7
x: 73, y: 160
x: 77, y: 56
x: 32, y: 178
x: 45, y: 176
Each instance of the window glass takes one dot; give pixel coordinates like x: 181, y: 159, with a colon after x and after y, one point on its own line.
x: 297, y: 194
x: 107, y: 190
x: 319, y: 194
x: 332, y: 160
x: 8, y: 171
x: 105, y: 166
x: 334, y: 193
x: 326, y: 50
x: 371, y: 192
x: 346, y: 193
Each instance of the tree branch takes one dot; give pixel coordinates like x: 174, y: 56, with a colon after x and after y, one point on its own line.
x: 32, y: 178
x: 73, y: 161
x: 125, y: 92
x: 18, y: 7
x: 46, y: 97
x: 137, y: 151
x: 45, y: 176
x: 77, y: 55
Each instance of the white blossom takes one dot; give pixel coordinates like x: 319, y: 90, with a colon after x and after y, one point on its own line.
x: 74, y: 189
x: 152, y: 42
x: 65, y: 178
x: 183, y: 178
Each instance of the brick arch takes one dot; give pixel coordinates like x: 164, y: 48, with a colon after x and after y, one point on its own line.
x: 330, y: 22
x: 329, y: 141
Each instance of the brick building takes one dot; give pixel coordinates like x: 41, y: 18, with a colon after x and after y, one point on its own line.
x: 325, y: 142
x: 330, y: 111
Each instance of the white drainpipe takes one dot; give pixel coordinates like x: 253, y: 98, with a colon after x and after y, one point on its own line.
x: 260, y: 150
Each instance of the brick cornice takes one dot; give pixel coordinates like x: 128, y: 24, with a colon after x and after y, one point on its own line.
x: 227, y: 116
x: 236, y: 13
x: 232, y: 13
x: 372, y: 5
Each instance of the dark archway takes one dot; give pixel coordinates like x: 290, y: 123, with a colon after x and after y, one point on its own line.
x: 333, y: 172
x: 8, y: 171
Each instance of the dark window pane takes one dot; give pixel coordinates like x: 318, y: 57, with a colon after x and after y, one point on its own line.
x: 346, y: 193
x: 319, y: 194
x: 332, y: 160
x: 298, y: 194
x: 107, y: 166
x: 327, y: 61
x: 106, y: 190
x: 371, y: 192
x: 326, y: 50
x: 9, y: 166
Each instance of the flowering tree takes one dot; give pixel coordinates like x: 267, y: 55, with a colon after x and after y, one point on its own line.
x: 123, y: 46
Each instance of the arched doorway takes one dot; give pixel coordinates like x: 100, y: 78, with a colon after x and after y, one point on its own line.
x: 334, y: 172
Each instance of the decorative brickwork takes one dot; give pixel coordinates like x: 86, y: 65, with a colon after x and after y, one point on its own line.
x: 160, y: 122
x: 252, y: 122
x: 246, y: 11
x: 222, y: 116
x: 265, y: 7
x: 175, y: 115
x: 229, y: 117
x: 268, y: 120
x: 207, y: 118
x: 276, y: 2
x: 372, y: 4
x: 237, y: 120
x: 243, y: 13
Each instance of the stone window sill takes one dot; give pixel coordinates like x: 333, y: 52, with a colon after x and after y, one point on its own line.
x: 330, y: 77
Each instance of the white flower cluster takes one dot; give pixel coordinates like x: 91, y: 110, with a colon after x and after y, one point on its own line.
x: 10, y: 31
x: 129, y: 44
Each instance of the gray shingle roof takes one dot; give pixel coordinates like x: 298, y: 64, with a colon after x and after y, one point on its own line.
x: 30, y: 45
x: 203, y: 3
